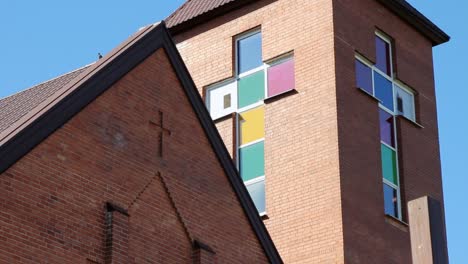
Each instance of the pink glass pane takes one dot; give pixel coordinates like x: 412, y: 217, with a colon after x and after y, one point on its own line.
x: 383, y: 55
x: 281, y: 78
x: 387, y: 134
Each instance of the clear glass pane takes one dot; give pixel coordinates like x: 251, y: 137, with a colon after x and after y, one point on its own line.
x: 383, y: 55
x: 406, y: 103
x: 281, y: 78
x: 251, y: 89
x: 363, y: 77
x: 252, y: 125
x: 249, y: 52
x: 391, y: 201
x: 389, y: 167
x: 387, y: 131
x: 257, y: 192
x: 383, y: 90
x: 252, y: 161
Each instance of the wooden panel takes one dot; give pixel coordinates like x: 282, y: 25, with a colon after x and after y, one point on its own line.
x: 427, y: 229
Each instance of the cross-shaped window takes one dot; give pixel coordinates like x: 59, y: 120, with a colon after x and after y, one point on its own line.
x: 395, y: 99
x: 253, y: 82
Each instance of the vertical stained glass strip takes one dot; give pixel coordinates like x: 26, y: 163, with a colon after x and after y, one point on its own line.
x: 252, y: 161
x: 389, y: 169
x: 281, y: 78
x: 257, y: 192
x: 252, y: 125
x: 251, y: 89
x: 383, y: 90
x: 363, y: 77
x: 387, y: 131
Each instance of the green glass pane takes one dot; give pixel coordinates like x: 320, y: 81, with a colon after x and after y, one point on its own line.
x: 252, y: 161
x: 389, y: 164
x: 251, y: 89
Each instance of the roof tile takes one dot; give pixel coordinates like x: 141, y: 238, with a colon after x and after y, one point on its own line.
x: 14, y: 107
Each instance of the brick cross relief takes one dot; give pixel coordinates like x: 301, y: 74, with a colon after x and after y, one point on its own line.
x: 163, y: 131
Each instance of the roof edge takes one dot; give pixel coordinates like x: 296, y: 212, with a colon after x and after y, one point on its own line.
x: 204, y: 17
x: 400, y: 7
x: 416, y: 19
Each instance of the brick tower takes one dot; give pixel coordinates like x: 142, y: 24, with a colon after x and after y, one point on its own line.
x: 328, y: 109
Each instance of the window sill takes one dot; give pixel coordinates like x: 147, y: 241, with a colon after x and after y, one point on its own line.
x: 414, y: 123
x: 223, y: 118
x: 397, y: 223
x: 368, y: 94
x: 280, y: 96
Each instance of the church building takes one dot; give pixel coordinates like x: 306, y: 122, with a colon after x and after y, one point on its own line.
x: 119, y: 162
x: 235, y: 131
x: 328, y: 110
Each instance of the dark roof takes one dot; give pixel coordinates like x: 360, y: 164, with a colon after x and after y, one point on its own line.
x: 194, y: 12
x: 16, y: 106
x: 68, y: 100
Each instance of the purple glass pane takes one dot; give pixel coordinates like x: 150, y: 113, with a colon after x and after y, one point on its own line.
x: 382, y: 55
x: 386, y: 128
x: 363, y: 77
x: 281, y: 78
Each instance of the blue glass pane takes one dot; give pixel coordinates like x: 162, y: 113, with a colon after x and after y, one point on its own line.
x: 249, y: 52
x: 383, y: 90
x: 391, y: 201
x: 257, y: 192
x: 363, y: 77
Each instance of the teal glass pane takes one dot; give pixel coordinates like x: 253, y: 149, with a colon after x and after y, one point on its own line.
x: 252, y: 161
x: 383, y: 90
x: 251, y: 89
x: 257, y: 192
x: 389, y: 164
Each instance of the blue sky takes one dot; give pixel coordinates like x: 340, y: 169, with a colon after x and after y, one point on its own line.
x: 43, y: 39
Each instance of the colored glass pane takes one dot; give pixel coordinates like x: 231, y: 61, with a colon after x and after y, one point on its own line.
x: 251, y: 89
x: 252, y: 161
x: 383, y: 55
x: 249, y: 53
x: 391, y: 201
x: 252, y: 125
x: 257, y: 192
x: 363, y: 77
x: 281, y: 78
x: 387, y: 131
x: 389, y: 164
x: 383, y: 90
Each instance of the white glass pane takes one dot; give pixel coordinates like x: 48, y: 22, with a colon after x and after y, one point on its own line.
x: 222, y: 100
x: 405, y: 103
x: 257, y: 192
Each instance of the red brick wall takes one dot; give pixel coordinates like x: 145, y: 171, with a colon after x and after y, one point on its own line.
x: 303, y: 198
x: 369, y: 236
x: 52, y: 201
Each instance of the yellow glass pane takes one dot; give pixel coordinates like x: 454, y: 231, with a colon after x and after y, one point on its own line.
x: 252, y: 125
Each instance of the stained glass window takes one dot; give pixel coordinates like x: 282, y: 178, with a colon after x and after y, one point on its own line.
x: 281, y: 78
x: 251, y: 89
x: 383, y: 55
x: 363, y: 76
x: 249, y: 53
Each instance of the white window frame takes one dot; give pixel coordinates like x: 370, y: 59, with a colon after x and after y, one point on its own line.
x: 394, y: 112
x: 221, y: 84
